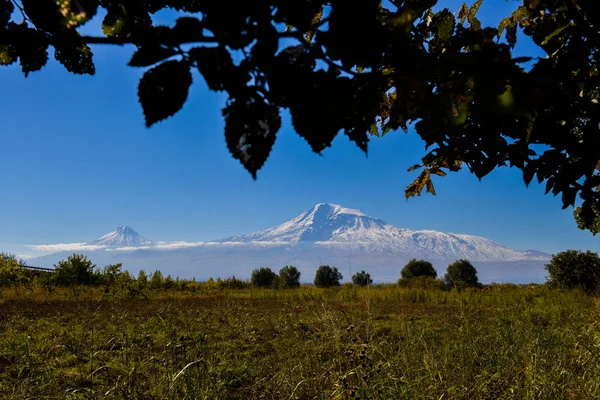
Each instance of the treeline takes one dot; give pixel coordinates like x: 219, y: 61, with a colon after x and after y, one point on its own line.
x: 571, y: 269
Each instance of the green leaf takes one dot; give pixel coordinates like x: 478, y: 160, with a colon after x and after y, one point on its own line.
x: 463, y: 12
x: 75, y: 57
x: 34, y: 55
x: 553, y: 34
x: 445, y: 24
x: 7, y: 55
x: 251, y: 126
x: 472, y: 16
x: 114, y: 26
x: 151, y: 54
x: 77, y: 12
x: 163, y: 90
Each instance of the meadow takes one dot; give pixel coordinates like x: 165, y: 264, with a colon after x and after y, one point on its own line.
x: 374, y: 342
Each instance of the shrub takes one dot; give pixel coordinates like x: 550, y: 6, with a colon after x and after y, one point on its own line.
x: 11, y: 273
x: 156, y: 281
x: 232, y: 283
x: 416, y: 268
x: 461, y: 273
x: 262, y: 277
x: 289, y: 277
x: 76, y: 270
x: 327, y: 276
x: 362, y: 278
x: 574, y: 269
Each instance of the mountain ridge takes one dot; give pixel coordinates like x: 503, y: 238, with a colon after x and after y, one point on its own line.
x: 331, y: 225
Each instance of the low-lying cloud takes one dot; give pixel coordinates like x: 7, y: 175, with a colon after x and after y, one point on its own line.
x: 54, y: 248
x: 64, y: 247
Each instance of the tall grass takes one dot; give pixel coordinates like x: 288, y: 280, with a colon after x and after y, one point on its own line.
x: 379, y: 342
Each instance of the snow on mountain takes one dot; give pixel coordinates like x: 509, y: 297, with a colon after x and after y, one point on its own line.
x: 123, y: 236
x: 326, y: 233
x: 336, y: 227
x: 320, y: 223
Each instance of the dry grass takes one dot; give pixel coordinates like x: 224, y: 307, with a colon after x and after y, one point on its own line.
x: 371, y: 343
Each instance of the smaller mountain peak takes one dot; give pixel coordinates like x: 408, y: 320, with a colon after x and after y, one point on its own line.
x: 123, y: 236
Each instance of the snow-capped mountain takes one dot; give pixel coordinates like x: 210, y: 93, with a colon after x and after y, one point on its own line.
x: 123, y: 236
x: 337, y: 227
x: 326, y: 233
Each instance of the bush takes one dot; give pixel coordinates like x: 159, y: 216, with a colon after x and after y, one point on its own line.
x: 262, y: 277
x: 289, y: 277
x: 573, y: 269
x: 11, y: 273
x: 461, y: 273
x: 232, y: 283
x: 416, y: 268
x: 76, y: 270
x: 327, y: 276
x: 362, y: 278
x: 156, y: 281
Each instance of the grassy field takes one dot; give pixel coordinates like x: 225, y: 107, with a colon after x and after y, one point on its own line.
x: 382, y: 342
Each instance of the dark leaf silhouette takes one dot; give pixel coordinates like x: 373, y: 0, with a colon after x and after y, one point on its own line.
x: 362, y: 68
x: 251, y: 125
x: 164, y: 89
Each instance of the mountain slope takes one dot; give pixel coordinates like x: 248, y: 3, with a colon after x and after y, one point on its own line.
x: 337, y: 227
x: 123, y: 236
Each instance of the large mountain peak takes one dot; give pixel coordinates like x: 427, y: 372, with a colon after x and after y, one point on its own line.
x: 322, y: 223
x: 337, y: 227
x: 122, y: 236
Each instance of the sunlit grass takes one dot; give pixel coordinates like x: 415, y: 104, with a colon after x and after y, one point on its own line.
x: 379, y: 342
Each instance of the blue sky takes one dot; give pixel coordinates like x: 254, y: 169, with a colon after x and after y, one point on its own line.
x: 77, y: 161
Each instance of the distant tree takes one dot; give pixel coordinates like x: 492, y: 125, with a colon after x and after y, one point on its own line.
x: 75, y: 270
x: 289, y: 277
x: 156, y: 282
x: 574, y: 269
x: 461, y: 273
x: 417, y: 268
x: 362, y: 278
x: 327, y: 276
x: 12, y: 257
x: 142, y: 279
x: 262, y: 277
x: 168, y: 283
x: 110, y: 276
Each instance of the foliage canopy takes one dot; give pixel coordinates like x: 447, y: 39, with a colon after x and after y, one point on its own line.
x: 289, y: 277
x: 574, y: 269
x: 362, y: 278
x: 327, y: 276
x: 472, y: 101
x: 262, y: 277
x: 417, y: 268
x: 461, y: 273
